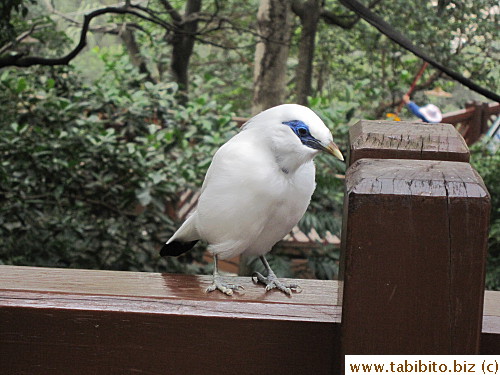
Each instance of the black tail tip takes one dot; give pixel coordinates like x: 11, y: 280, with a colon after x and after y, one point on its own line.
x: 176, y: 248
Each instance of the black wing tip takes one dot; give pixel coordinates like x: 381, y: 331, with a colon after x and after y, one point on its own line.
x: 176, y: 248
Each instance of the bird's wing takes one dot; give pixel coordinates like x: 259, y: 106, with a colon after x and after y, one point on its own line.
x: 223, y: 180
x: 187, y: 231
x: 242, y: 186
x: 187, y: 235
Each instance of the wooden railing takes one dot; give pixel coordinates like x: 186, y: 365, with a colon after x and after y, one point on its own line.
x: 412, y: 282
x: 60, y: 321
x: 473, y: 121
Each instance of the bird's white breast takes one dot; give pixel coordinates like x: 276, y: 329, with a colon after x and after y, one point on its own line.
x: 248, y: 203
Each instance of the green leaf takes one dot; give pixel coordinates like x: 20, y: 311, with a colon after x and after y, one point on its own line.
x: 4, y: 76
x: 157, y: 177
x: 21, y: 85
x: 152, y: 128
x: 144, y: 196
x: 50, y: 83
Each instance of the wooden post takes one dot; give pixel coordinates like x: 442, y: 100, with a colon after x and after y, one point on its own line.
x: 406, y: 140
x: 414, y: 247
x: 414, y: 252
x: 485, y: 116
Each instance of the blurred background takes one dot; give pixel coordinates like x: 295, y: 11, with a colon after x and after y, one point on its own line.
x: 110, y: 113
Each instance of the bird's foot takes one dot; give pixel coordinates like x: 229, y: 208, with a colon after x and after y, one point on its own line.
x: 225, y: 288
x: 272, y: 282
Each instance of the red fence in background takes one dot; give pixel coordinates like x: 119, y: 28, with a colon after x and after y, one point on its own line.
x: 474, y: 120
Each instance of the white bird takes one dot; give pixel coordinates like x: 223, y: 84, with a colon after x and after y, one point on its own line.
x: 256, y: 189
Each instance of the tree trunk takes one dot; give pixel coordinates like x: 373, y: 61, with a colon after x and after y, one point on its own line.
x: 128, y: 38
x: 271, y: 54
x: 309, y: 14
x: 182, y: 47
x: 269, y: 76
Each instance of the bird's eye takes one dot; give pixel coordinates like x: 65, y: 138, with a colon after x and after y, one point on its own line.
x: 302, y: 131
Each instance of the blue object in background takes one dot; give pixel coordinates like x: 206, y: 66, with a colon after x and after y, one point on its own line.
x: 428, y: 113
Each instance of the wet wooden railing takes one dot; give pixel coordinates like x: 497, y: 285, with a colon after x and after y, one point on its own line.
x: 60, y: 321
x: 412, y: 282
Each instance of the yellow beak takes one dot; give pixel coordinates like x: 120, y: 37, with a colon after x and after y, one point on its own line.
x: 334, y: 150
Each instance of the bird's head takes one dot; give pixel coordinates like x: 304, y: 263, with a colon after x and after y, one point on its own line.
x: 298, y: 126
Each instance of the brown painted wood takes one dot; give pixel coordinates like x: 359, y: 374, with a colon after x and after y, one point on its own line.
x: 458, y: 116
x: 62, y: 321
x: 490, y: 337
x: 406, y: 140
x: 475, y: 125
x: 413, y: 256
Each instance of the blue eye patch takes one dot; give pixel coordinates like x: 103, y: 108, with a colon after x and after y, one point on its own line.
x: 302, y: 131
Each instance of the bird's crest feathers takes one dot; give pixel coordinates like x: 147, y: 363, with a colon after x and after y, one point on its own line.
x: 287, y: 114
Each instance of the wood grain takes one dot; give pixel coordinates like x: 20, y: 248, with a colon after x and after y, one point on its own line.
x: 406, y: 140
x: 413, y: 257
x: 62, y: 321
x: 164, y: 293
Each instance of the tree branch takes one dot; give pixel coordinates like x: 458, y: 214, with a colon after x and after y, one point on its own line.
x: 22, y: 36
x: 345, y: 22
x: 176, y: 17
x: 383, y: 107
x: 152, y: 17
x: 22, y: 61
x: 134, y: 51
x: 298, y: 8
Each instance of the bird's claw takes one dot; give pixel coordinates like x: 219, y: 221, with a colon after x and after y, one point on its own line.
x: 225, y: 288
x: 272, y: 282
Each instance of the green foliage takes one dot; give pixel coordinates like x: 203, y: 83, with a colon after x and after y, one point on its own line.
x: 459, y: 34
x: 90, y: 157
x: 487, y: 163
x: 86, y: 171
x: 325, y: 263
x: 9, y: 10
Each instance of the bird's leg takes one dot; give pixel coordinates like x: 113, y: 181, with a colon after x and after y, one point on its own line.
x: 219, y: 284
x: 271, y: 281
